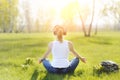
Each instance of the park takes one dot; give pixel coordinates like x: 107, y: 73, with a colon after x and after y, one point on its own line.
x: 26, y: 29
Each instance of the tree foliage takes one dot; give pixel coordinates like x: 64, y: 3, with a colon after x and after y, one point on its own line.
x: 8, y: 15
x: 110, y: 10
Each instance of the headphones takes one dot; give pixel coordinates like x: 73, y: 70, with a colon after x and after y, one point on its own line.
x: 57, y: 27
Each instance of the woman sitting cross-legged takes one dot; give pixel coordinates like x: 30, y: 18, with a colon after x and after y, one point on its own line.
x: 60, y: 49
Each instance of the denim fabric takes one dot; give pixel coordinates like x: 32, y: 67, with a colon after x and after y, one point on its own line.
x: 70, y: 69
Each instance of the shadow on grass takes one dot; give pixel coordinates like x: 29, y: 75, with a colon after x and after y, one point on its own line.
x: 37, y: 75
x: 50, y: 76
x: 12, y: 40
x: 43, y: 44
x: 100, y: 40
x: 67, y: 76
x: 9, y: 64
x: 79, y: 73
x: 99, y: 72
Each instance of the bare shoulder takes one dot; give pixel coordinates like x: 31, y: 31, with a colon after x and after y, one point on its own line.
x: 50, y: 44
x: 70, y: 43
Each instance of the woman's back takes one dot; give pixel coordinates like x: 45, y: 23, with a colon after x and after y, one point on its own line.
x: 60, y: 52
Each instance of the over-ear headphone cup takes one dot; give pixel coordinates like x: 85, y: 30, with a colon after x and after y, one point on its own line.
x: 54, y: 32
x: 64, y: 33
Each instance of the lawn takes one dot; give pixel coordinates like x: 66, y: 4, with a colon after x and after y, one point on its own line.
x: 16, y: 48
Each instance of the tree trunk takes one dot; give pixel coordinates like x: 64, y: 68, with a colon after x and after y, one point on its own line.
x: 83, y: 26
x: 90, y: 26
x: 96, y: 30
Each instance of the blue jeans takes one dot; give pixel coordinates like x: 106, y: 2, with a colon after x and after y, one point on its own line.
x: 70, y: 69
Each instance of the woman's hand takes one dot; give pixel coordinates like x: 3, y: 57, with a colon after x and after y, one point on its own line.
x: 83, y: 59
x: 40, y: 60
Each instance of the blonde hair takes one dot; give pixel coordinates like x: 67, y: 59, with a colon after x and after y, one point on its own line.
x: 59, y: 31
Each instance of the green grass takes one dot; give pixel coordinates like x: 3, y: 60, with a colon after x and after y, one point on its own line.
x: 15, y: 48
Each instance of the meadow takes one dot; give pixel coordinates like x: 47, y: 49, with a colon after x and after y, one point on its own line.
x: 16, y: 48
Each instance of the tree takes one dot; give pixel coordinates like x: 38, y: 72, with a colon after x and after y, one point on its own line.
x: 26, y: 7
x: 87, y: 34
x: 8, y: 15
x: 90, y: 26
x: 111, y: 12
x: 37, y: 25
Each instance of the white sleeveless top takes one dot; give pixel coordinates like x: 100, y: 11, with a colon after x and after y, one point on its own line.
x: 60, y: 53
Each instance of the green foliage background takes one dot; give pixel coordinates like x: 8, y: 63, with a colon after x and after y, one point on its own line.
x: 8, y: 15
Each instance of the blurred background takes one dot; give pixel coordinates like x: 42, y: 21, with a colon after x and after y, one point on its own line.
x: 75, y: 15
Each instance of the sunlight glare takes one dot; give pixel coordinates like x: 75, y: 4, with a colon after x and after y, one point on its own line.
x: 58, y: 6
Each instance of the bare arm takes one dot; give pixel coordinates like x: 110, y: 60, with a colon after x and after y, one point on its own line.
x: 75, y: 53
x: 46, y: 53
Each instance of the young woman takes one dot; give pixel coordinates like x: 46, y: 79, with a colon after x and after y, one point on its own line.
x: 60, y: 49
